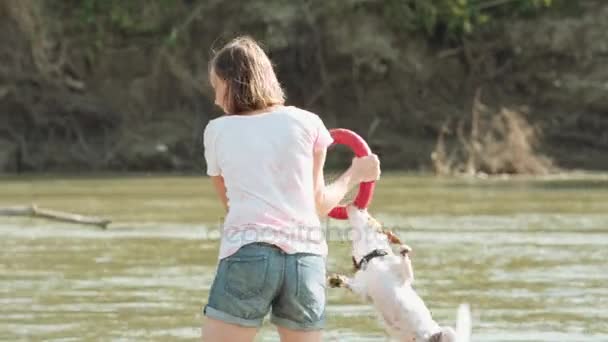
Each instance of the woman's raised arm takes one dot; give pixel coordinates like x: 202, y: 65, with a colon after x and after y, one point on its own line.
x: 363, y: 169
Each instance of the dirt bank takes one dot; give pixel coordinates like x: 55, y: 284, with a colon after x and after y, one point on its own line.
x: 81, y: 93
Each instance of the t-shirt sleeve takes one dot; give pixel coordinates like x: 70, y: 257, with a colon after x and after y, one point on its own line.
x: 323, y: 137
x: 209, y: 138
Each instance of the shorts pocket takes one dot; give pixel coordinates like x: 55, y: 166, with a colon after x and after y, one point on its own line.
x: 246, y: 276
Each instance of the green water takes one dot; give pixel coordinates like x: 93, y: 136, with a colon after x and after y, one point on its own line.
x: 530, y: 256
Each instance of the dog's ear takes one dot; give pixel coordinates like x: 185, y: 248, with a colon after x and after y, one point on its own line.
x: 374, y: 224
x: 392, y: 238
x: 355, y: 265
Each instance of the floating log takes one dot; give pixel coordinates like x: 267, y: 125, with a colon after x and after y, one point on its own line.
x: 34, y: 211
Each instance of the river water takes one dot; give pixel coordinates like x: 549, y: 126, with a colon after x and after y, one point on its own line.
x: 529, y: 255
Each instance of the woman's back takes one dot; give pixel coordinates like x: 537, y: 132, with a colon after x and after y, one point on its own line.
x: 266, y: 165
x: 266, y: 161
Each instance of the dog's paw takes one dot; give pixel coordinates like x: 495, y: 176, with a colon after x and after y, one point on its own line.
x: 446, y: 334
x: 336, y: 280
x: 404, y: 250
x: 437, y: 337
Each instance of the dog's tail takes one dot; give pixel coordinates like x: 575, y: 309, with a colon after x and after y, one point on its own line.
x: 463, y: 323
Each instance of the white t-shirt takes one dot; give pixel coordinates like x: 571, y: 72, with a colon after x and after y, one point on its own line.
x: 267, y: 163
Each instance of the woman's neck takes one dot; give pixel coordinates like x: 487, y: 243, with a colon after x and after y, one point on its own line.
x: 262, y: 110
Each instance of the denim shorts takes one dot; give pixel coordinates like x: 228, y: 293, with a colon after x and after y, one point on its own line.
x: 260, y: 278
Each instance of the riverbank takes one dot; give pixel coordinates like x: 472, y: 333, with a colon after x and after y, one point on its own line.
x: 87, y: 93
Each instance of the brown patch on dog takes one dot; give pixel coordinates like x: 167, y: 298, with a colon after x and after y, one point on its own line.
x: 377, y: 226
x: 374, y: 224
x: 392, y: 238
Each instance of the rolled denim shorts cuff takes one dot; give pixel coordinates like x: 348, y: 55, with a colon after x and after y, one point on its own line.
x: 227, y: 318
x: 289, y: 324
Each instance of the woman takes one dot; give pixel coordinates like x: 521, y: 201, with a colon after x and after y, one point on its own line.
x: 266, y: 163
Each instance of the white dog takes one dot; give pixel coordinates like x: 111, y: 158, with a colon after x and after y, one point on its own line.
x: 386, y: 280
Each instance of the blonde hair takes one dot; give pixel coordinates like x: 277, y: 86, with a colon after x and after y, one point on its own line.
x: 251, y: 82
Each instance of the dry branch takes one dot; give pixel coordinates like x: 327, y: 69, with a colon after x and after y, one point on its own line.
x: 496, y: 143
x: 34, y: 211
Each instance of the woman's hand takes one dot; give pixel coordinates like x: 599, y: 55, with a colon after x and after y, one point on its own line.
x: 366, y: 169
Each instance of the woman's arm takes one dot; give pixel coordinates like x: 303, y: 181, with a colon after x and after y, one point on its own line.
x: 362, y: 169
x: 328, y: 196
x: 220, y: 189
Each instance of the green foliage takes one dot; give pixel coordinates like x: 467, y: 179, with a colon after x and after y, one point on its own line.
x: 449, y: 19
x: 130, y: 16
x: 454, y: 18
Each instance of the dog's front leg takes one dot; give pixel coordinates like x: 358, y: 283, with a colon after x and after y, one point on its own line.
x: 338, y: 280
x: 406, y: 268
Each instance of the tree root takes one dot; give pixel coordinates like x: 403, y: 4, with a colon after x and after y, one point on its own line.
x: 497, y: 143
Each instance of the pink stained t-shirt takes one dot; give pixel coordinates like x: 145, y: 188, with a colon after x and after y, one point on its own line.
x: 267, y: 163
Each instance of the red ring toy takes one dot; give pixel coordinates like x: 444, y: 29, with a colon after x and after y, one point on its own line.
x: 366, y: 189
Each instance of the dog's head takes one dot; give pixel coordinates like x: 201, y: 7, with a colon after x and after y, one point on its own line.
x: 367, y: 233
x: 361, y: 221
x: 357, y: 217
